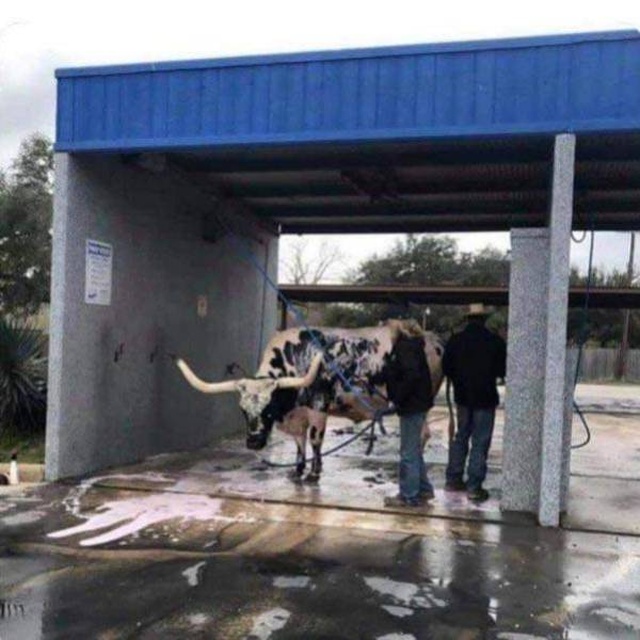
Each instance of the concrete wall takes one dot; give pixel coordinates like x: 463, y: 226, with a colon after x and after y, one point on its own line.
x: 104, y: 412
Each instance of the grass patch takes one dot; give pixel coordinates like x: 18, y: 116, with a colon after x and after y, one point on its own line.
x: 30, y: 448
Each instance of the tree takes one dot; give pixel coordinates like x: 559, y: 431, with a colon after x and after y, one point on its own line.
x: 26, y: 205
x: 304, y: 266
x: 601, y: 327
x: 424, y: 260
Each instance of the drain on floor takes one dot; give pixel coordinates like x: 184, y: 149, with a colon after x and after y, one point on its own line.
x: 10, y: 609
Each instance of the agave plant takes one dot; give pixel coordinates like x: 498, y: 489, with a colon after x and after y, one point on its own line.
x: 23, y: 377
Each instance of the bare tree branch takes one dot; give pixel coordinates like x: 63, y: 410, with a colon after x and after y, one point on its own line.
x: 311, y: 266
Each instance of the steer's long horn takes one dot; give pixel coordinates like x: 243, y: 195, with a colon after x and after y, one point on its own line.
x: 201, y: 385
x: 306, y: 380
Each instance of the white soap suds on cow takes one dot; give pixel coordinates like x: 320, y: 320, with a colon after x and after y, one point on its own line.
x: 291, y: 582
x: 397, y: 636
x: 192, y: 574
x: 268, y: 622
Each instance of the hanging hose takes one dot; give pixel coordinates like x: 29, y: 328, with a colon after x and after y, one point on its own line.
x: 377, y: 419
x: 582, y: 338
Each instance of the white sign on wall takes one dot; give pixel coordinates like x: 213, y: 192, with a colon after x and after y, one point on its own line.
x: 99, y: 264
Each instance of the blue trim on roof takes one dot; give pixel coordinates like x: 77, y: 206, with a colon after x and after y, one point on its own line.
x: 577, y: 83
x: 389, y: 135
x: 351, y: 54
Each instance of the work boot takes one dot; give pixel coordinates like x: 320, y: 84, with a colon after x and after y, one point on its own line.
x: 455, y: 485
x: 478, y: 495
x: 426, y: 496
x: 399, y: 501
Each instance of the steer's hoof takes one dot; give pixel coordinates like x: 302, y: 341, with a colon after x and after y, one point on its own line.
x: 312, y: 478
x: 295, y: 475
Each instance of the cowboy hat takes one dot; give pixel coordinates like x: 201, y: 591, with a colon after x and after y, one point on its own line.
x: 478, y: 309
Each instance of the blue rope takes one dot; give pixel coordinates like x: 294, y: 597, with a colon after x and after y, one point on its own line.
x: 250, y: 257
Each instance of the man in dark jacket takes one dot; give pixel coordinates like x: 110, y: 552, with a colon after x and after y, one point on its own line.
x: 409, y: 388
x: 473, y: 360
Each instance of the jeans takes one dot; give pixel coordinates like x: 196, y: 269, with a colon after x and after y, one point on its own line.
x: 475, y: 425
x: 413, y: 472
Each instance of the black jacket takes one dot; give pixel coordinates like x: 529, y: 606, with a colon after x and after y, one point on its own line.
x: 473, y: 359
x: 408, y: 377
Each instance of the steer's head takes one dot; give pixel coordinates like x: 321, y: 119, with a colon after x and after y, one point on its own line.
x: 264, y: 401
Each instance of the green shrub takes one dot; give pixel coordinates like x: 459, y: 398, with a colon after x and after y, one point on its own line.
x: 23, y: 378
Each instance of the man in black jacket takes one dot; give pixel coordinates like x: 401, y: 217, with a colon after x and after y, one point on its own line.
x: 409, y: 388
x: 473, y: 360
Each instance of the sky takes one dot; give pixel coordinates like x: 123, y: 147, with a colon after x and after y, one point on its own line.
x: 38, y: 36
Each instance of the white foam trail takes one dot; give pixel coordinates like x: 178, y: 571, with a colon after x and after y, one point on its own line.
x: 403, y: 592
x: 291, y: 582
x: 27, y: 517
x: 268, y: 622
x: 398, y: 612
x: 192, y: 574
x: 130, y: 515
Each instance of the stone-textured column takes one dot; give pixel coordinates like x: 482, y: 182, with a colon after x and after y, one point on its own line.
x: 525, y: 369
x: 537, y: 419
x: 560, y: 219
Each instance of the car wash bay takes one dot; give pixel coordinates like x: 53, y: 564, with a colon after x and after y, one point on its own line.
x: 169, y: 175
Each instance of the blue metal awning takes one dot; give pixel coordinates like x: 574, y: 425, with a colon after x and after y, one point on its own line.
x: 577, y: 83
x: 444, y: 137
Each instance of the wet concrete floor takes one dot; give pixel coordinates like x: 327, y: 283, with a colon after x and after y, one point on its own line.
x: 217, y: 545
x: 200, y: 567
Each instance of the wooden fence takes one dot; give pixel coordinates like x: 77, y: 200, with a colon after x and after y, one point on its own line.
x: 600, y: 364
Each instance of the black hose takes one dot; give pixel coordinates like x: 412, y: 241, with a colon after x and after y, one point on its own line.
x: 582, y: 338
x: 586, y: 427
x: 377, y: 419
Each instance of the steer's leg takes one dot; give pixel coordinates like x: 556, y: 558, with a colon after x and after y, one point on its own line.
x: 295, y: 424
x: 318, y: 423
x: 301, y: 454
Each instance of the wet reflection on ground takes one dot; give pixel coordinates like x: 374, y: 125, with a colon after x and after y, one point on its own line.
x: 260, y: 571
x: 217, y: 545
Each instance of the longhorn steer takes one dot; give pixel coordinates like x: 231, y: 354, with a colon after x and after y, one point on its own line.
x: 296, y: 390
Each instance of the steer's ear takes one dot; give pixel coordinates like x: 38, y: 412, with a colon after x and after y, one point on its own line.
x: 305, y: 381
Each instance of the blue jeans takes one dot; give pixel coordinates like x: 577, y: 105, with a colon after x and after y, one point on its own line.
x: 475, y: 425
x: 413, y: 472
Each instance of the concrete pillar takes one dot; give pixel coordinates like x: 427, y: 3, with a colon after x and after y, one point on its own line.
x: 537, y: 423
x: 525, y: 370
x: 560, y: 219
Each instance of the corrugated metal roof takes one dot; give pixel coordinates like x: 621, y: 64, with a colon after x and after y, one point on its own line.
x: 581, y: 83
